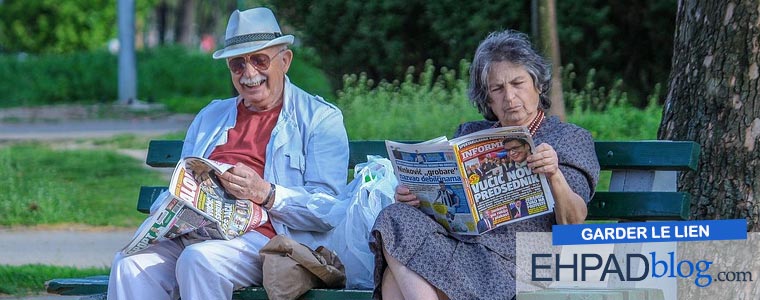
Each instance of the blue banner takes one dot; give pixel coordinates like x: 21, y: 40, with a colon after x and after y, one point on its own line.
x: 649, y: 232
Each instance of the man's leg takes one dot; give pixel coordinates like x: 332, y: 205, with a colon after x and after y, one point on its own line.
x: 145, y: 275
x: 213, y: 269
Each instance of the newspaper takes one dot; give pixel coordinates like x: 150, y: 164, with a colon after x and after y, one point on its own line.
x: 471, y: 184
x: 197, y: 203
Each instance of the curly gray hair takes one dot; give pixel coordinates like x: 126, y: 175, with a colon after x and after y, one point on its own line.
x: 514, y: 47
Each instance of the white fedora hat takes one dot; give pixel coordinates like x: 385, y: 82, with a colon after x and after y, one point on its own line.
x: 250, y: 31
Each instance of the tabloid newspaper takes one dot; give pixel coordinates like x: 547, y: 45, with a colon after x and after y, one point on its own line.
x: 472, y: 184
x: 197, y: 203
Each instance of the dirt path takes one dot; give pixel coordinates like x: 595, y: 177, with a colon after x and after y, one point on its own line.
x: 81, y: 122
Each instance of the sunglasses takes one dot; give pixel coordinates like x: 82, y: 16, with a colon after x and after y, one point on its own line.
x: 259, y: 61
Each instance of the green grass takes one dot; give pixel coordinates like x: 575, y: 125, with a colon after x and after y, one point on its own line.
x: 30, y: 279
x: 46, y: 186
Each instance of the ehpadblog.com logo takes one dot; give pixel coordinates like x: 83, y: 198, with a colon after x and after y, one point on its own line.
x: 586, y: 266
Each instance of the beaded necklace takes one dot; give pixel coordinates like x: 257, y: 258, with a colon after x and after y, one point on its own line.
x: 533, y: 126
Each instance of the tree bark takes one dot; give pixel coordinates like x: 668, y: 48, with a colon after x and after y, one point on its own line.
x: 550, y: 47
x: 713, y: 100
x: 185, y: 29
x: 161, y: 21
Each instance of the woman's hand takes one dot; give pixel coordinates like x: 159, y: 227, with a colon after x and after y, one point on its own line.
x: 244, y: 183
x: 403, y: 195
x: 569, y: 208
x: 544, y: 160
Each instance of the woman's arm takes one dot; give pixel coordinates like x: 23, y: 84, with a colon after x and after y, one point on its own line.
x: 569, y: 207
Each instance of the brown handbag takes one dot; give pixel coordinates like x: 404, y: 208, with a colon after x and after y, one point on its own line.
x: 291, y: 269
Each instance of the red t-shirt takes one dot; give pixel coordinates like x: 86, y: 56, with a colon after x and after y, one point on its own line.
x: 247, y: 144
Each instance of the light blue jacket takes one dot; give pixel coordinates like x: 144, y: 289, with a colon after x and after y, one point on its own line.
x: 307, y: 158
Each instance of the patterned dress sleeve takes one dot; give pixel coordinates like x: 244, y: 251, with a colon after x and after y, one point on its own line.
x: 577, y: 160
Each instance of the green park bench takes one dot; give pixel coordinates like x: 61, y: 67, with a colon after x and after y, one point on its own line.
x: 642, y: 188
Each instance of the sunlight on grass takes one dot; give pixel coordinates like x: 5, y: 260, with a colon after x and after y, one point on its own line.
x: 94, y: 187
x: 30, y: 279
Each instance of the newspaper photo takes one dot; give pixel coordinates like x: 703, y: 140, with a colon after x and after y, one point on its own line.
x: 197, y: 203
x: 474, y: 183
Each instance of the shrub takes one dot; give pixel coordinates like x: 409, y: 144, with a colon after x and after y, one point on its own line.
x: 169, y: 74
x: 60, y: 26
x: 413, y: 109
x: 435, y: 103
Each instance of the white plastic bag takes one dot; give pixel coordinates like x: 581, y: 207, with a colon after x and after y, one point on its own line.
x: 369, y: 192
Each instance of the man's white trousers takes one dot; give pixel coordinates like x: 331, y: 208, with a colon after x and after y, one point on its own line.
x: 209, y: 269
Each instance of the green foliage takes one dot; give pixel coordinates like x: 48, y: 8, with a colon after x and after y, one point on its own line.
x: 305, y: 74
x: 59, y: 26
x: 621, y: 122
x: 57, y: 78
x: 589, y: 96
x: 26, y: 279
x: 184, y: 79
x: 607, y: 111
x: 629, y: 40
x: 177, y: 72
x: 380, y: 38
x: 418, y: 109
x: 46, y: 186
x: 619, y: 39
x: 435, y: 103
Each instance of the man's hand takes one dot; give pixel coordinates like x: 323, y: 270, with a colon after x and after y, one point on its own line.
x: 403, y: 195
x: 244, y: 183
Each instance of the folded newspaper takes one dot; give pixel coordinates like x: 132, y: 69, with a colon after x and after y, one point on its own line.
x: 197, y: 203
x: 476, y: 182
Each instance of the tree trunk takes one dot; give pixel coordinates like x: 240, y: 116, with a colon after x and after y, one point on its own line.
x: 550, y: 47
x: 161, y: 20
x: 713, y: 99
x: 185, y: 23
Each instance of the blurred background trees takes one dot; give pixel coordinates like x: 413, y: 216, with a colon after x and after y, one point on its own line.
x: 615, y: 44
x: 628, y: 40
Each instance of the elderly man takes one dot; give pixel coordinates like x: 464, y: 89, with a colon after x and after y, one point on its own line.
x: 290, y: 152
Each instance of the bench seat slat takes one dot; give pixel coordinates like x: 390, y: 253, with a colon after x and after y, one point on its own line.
x: 639, y: 206
x: 258, y: 293
x: 99, y: 285
x: 78, y: 286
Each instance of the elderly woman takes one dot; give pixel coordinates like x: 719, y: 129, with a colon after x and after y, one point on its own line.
x: 416, y: 258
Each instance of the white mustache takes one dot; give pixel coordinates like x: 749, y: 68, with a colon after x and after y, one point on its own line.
x: 255, y: 80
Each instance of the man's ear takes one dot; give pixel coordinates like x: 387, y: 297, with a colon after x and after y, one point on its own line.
x: 287, y: 58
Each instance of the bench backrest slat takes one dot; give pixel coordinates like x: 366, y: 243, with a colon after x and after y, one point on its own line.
x: 643, y: 155
x: 648, y: 155
x: 631, y: 163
